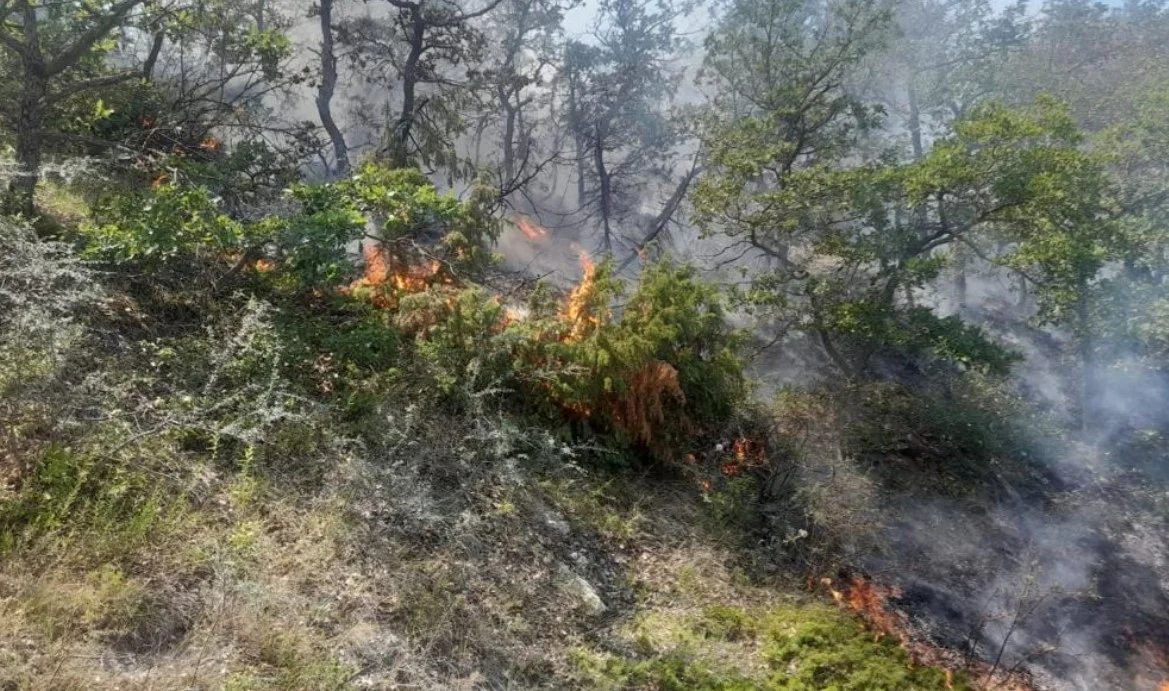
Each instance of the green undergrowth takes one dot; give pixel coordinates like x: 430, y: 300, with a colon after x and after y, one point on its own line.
x: 794, y: 647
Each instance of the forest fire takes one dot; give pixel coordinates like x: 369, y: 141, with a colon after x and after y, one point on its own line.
x: 868, y: 601
x: 578, y: 310
x: 511, y: 314
x: 383, y: 270
x: 531, y: 230
x: 416, y: 278
x: 747, y: 454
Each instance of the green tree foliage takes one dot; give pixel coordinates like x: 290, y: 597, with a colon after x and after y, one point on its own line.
x: 74, y: 86
x: 618, y: 89
x: 413, y: 51
x: 155, y: 226
x: 1011, y: 185
x: 51, y: 55
x: 781, y: 70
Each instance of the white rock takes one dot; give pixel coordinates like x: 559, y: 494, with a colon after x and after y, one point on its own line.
x: 582, y: 593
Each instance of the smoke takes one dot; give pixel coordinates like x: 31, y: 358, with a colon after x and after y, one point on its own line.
x: 1071, y: 591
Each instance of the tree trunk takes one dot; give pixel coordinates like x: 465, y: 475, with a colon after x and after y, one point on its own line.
x: 960, y: 280
x: 581, y: 191
x: 22, y: 188
x: 1088, y: 385
x: 509, y: 134
x: 328, y: 87
x: 152, y: 57
x: 29, y: 151
x: 915, y: 121
x: 400, y: 137
x: 606, y: 189
x: 574, y: 124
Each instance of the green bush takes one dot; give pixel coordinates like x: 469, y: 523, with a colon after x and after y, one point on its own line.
x: 964, y: 434
x: 670, y: 672
x: 154, y: 226
x: 919, y: 333
x: 406, y: 207
x: 453, y: 328
x: 309, y: 247
x: 831, y: 651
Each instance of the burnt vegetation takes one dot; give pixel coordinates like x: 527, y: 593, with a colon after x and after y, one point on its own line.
x: 780, y: 344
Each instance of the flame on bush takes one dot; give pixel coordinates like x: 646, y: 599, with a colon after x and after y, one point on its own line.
x: 868, y: 601
x: 578, y: 313
x: 531, y: 230
x: 643, y: 407
x: 640, y: 409
x: 388, y: 276
x: 1151, y: 655
x: 747, y: 454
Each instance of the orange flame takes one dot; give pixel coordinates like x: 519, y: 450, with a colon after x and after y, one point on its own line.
x: 513, y: 314
x: 577, y: 311
x: 587, y: 264
x: 389, y: 276
x: 748, y: 454
x: 868, y: 601
x: 414, y: 279
x: 1164, y: 686
x: 534, y: 232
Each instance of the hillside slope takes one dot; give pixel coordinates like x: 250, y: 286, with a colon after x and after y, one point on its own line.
x: 247, y: 488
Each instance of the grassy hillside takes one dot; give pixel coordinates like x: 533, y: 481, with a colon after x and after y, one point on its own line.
x: 247, y: 479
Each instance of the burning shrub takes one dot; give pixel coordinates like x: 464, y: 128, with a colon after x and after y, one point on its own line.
x: 411, y: 214
x: 461, y: 337
x: 826, y: 651
x: 647, y: 379
x: 670, y: 349
x: 417, y: 233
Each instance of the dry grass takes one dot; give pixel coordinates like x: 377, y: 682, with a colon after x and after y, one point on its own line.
x: 440, y: 559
